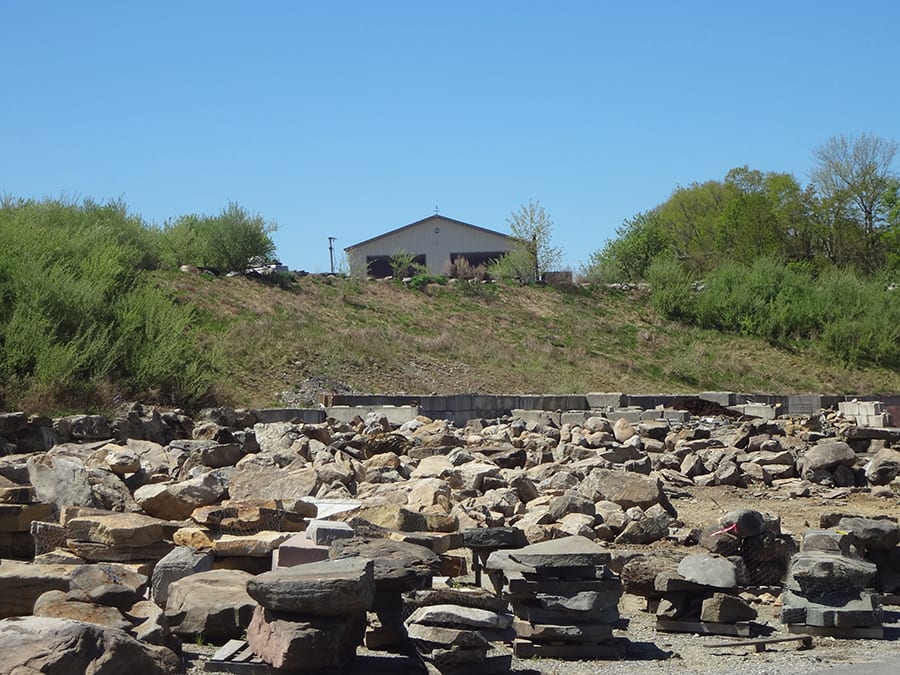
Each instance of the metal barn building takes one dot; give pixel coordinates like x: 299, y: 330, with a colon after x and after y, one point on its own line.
x: 435, y: 241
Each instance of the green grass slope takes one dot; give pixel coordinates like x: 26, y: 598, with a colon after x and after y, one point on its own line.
x: 387, y: 338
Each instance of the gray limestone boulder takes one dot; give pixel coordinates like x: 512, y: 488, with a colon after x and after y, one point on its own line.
x: 875, y: 534
x: 53, y: 645
x: 399, y: 565
x: 825, y: 456
x: 884, y: 467
x: 648, y: 529
x: 554, y: 554
x: 625, y: 489
x: 709, y: 570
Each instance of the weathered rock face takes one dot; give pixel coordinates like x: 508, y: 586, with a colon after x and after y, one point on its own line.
x: 708, y: 570
x: 53, y: 645
x: 313, y: 643
x: 21, y: 584
x: 826, y: 456
x: 181, y: 562
x: 625, y: 489
x: 819, y: 573
x: 213, y: 603
x: 883, y: 467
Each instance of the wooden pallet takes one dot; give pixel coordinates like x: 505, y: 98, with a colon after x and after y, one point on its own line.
x: 236, y: 657
x: 739, y: 629
x: 580, y: 651
x: 862, y: 633
x: 759, y: 644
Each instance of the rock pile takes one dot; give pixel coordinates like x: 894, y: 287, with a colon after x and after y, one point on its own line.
x: 311, y: 616
x: 564, y: 597
x: 399, y: 567
x: 208, y: 502
x: 459, y: 631
x: 829, y: 586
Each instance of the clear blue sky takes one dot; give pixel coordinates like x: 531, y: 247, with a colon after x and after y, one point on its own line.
x: 348, y: 119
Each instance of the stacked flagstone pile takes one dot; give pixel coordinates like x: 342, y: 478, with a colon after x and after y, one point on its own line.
x: 400, y: 567
x: 703, y: 588
x: 459, y: 631
x: 826, y: 590
x: 18, y: 509
x: 311, y: 616
x: 564, y: 597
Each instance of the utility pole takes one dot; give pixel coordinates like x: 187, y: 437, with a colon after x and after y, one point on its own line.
x: 331, y: 252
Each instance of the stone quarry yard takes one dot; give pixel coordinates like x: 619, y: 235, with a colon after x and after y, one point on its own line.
x: 576, y: 514
x: 647, y: 650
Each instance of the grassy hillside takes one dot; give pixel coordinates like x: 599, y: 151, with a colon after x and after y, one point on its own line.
x: 384, y: 337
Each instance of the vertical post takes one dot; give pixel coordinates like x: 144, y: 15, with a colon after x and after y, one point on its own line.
x: 331, y: 252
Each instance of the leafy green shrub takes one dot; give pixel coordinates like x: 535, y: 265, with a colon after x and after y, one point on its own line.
x: 68, y: 272
x: 421, y: 281
x: 672, y: 291
x: 227, y: 242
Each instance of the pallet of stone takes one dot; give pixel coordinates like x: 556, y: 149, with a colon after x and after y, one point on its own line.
x: 739, y: 629
x: 760, y: 644
x: 843, y: 633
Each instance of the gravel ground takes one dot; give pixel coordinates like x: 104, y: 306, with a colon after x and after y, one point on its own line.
x: 648, y: 651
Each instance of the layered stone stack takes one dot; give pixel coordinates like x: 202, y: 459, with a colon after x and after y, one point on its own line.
x: 459, y: 630
x: 701, y: 596
x: 564, y: 597
x: 825, y: 592
x: 242, y: 534
x: 18, y: 509
x: 311, y: 616
x: 400, y: 567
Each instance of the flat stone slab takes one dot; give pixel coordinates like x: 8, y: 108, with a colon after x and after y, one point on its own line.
x: 457, y: 616
x: 709, y: 570
x: 568, y: 552
x: 326, y: 588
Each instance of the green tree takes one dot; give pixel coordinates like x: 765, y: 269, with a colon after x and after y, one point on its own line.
x: 857, y: 172
x: 534, y: 253
x: 692, y: 218
x: 639, y: 240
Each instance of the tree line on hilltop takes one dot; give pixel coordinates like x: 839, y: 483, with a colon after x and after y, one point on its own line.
x: 82, y: 321
x: 758, y: 254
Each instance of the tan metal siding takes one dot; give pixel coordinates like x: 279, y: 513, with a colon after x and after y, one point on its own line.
x: 434, y: 238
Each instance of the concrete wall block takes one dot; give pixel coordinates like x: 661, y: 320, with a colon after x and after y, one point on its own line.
x: 723, y: 398
x: 805, y: 404
x: 603, y: 400
x: 304, y: 415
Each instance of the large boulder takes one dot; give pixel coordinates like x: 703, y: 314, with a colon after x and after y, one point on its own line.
x: 826, y: 456
x: 21, y: 584
x: 625, y: 489
x: 326, y: 588
x: 53, y: 645
x: 181, y: 562
x: 884, y: 467
x: 818, y: 573
x: 214, y: 604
